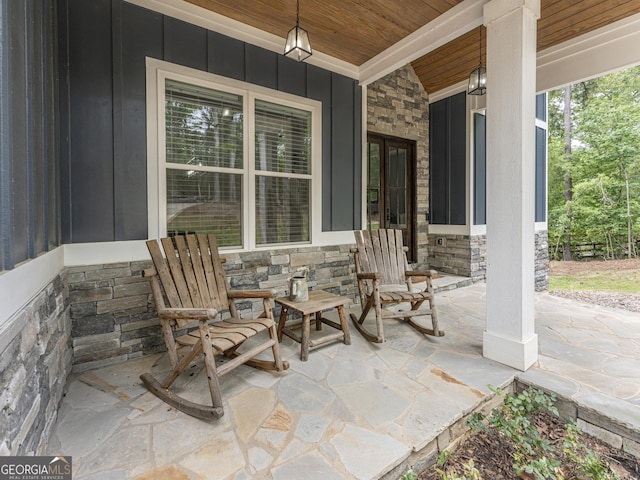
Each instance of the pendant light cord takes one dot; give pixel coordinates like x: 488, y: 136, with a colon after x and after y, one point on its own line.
x: 480, y: 45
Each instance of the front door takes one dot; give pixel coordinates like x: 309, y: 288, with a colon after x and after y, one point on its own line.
x: 390, y: 186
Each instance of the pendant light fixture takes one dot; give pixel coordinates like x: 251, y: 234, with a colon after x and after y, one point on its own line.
x: 298, y: 45
x: 478, y: 78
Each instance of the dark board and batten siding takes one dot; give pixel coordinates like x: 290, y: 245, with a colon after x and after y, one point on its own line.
x: 105, y: 168
x: 29, y: 168
x: 447, y: 154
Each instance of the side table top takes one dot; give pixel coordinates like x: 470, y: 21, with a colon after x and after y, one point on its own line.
x: 318, y: 300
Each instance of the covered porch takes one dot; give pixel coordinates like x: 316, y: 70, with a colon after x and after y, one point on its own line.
x: 362, y: 411
x: 83, y: 185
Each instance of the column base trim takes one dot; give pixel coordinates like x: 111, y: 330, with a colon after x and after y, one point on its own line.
x: 511, y: 352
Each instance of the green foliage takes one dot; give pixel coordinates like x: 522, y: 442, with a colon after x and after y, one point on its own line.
x: 443, y: 456
x: 605, y: 157
x: 409, y: 475
x: 514, y: 421
x: 469, y: 469
x: 586, y: 462
x: 532, y: 454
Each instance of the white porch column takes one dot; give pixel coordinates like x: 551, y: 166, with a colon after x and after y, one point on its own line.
x: 511, y: 90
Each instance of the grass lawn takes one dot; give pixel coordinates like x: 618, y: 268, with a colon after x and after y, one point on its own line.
x: 613, y: 276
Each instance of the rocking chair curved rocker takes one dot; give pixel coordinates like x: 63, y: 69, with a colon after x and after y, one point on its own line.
x: 382, y: 271
x: 195, y: 286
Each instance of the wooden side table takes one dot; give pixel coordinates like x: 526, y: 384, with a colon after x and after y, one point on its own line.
x: 318, y: 302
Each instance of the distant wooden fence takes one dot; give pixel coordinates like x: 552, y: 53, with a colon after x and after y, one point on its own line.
x: 589, y: 251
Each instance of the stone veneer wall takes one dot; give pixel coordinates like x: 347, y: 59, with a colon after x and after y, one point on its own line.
x: 466, y: 255
x: 462, y: 255
x: 542, y: 260
x: 398, y: 105
x: 34, y: 366
x: 112, y: 312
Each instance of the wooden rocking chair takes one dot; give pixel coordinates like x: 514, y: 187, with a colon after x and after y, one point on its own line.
x: 382, y: 272
x: 195, y: 286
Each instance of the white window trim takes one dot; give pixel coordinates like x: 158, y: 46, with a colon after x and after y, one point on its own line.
x: 474, y: 229
x: 157, y: 71
x: 540, y: 226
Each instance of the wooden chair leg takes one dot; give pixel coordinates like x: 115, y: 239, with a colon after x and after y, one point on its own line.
x: 275, y: 348
x: 434, y: 318
x: 378, y: 307
x: 161, y: 390
x: 170, y: 342
x: 358, y: 322
x: 179, y: 367
x: 210, y: 366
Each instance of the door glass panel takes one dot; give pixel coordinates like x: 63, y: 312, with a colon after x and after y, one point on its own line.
x: 373, y: 188
x: 397, y: 187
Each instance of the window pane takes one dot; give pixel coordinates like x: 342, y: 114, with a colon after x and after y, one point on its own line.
x: 480, y: 169
x: 203, y: 126
x: 283, y: 139
x: 282, y: 210
x: 205, y: 202
x: 541, y: 175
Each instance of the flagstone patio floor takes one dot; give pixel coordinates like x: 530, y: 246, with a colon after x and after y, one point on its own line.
x: 360, y: 411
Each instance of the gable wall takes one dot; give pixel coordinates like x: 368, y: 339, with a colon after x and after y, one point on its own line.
x: 398, y: 105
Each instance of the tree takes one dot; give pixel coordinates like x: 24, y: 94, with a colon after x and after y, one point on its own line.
x: 604, y: 167
x: 568, y: 188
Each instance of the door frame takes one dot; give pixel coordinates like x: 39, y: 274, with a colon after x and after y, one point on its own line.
x: 385, y: 141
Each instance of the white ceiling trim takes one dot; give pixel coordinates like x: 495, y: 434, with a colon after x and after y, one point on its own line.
x: 447, y: 27
x: 591, y: 55
x: 449, y: 91
x: 232, y: 28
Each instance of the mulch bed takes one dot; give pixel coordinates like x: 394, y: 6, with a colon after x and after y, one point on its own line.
x: 492, y: 453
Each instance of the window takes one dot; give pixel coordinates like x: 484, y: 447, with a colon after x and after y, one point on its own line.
x: 480, y: 163
x: 240, y: 163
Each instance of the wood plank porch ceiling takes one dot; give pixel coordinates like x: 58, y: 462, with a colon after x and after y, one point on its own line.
x: 357, y: 30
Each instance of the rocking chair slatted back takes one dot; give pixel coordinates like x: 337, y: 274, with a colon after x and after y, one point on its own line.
x: 191, y: 277
x: 382, y: 251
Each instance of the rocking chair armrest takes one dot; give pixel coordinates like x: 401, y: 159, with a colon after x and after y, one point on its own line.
x: 418, y: 273
x: 149, y: 272
x: 200, y: 314
x: 369, y: 276
x: 252, y: 293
